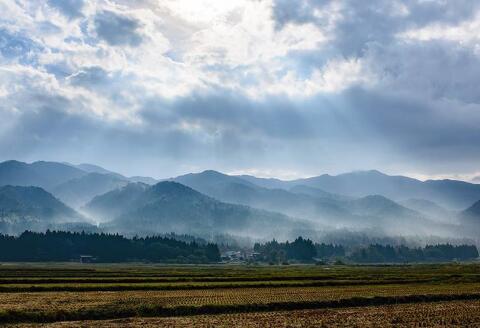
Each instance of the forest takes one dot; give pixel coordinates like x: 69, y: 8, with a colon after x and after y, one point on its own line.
x: 67, y: 246
x: 305, y: 250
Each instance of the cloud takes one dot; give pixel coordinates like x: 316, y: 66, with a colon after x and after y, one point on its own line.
x: 18, y: 47
x: 316, y: 86
x: 70, y: 8
x: 89, y: 77
x: 117, y: 30
x: 353, y: 25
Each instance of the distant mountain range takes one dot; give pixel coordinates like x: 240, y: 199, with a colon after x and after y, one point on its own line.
x: 317, y: 205
x: 78, y: 191
x: 40, y: 174
x: 73, y: 184
x: 214, y: 202
x: 451, y: 193
x: 170, y: 206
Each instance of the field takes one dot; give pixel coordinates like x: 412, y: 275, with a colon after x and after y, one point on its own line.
x: 61, y: 295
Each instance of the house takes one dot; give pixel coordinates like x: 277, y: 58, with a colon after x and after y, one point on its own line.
x: 86, y: 259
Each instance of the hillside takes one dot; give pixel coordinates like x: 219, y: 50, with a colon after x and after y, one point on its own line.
x: 170, y: 206
x: 471, y: 215
x: 40, y: 174
x: 32, y: 208
x: 323, y: 208
x: 77, y: 192
x: 430, y: 209
x: 450, y: 193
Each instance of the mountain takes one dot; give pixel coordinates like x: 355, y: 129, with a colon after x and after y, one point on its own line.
x: 211, y: 182
x: 363, y: 183
x: 41, y: 174
x: 91, y: 168
x: 454, y: 194
x: 430, y: 209
x: 319, y: 193
x: 270, y: 183
x: 32, y: 208
x: 450, y: 193
x: 471, y: 215
x: 77, y: 192
x: 233, y: 189
x: 110, y: 205
x: 169, y: 206
x: 146, y: 180
x: 379, y: 206
x: 321, y: 207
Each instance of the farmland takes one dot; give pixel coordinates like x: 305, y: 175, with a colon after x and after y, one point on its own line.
x: 218, y: 294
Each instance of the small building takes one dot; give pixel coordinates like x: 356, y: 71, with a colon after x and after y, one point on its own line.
x: 86, y: 259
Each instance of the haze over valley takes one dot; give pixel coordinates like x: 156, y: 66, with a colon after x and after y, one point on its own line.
x: 366, y: 205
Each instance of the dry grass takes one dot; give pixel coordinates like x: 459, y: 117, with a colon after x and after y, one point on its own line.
x: 443, y: 314
x: 69, y: 301
x: 227, y: 289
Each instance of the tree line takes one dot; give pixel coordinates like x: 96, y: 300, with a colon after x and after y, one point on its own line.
x: 304, y: 250
x: 430, y: 253
x: 67, y: 246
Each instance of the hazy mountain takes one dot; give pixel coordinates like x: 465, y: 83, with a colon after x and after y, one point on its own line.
x: 386, y: 215
x: 32, y: 208
x: 471, y: 215
x: 379, y: 206
x: 476, y: 179
x: 235, y: 190
x: 170, y: 206
x: 270, y: 183
x: 362, y: 183
x: 211, y: 182
x: 40, y: 174
x: 91, y: 168
x: 430, y: 209
x: 146, y: 180
x: 79, y: 191
x: 313, y: 204
x: 319, y: 193
x: 451, y: 193
x: 110, y: 205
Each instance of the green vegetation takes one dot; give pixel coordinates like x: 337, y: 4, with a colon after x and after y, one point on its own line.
x: 65, y: 246
x: 304, y: 250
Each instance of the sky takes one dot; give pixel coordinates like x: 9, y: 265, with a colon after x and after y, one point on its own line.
x: 275, y: 88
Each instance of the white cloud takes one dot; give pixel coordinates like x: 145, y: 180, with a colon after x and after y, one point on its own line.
x: 466, y: 32
x: 267, y: 78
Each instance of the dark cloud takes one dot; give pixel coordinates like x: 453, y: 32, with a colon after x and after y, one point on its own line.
x: 359, y: 128
x: 70, y: 8
x: 435, y: 69
x: 222, y: 110
x: 117, y: 30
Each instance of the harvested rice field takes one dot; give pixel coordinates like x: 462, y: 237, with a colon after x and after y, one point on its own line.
x: 65, y: 295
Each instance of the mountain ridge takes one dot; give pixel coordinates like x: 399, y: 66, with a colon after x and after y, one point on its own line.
x: 171, y: 206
